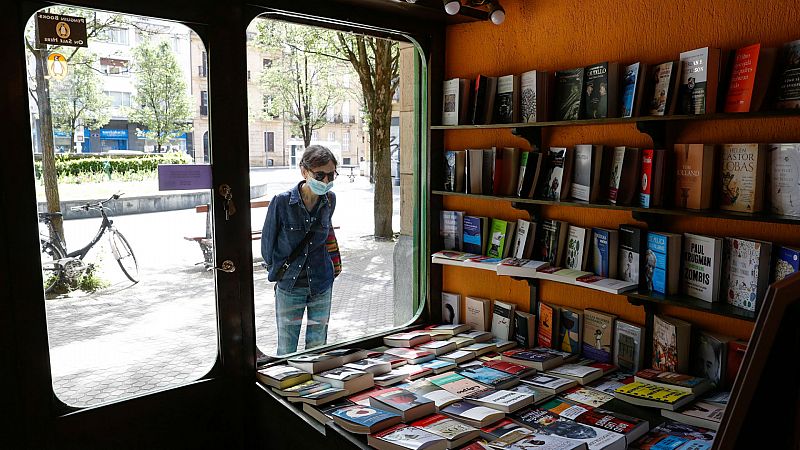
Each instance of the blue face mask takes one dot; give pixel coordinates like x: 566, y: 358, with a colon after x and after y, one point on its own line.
x: 318, y: 187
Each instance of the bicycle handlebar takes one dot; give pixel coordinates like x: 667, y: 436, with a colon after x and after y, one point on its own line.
x: 97, y: 205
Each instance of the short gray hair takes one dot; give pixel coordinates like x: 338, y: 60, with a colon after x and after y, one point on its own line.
x: 316, y: 156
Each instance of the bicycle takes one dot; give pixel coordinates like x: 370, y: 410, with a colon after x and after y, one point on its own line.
x: 58, y: 265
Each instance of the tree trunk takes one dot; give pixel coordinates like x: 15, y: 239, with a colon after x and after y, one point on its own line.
x: 45, y: 134
x: 379, y: 143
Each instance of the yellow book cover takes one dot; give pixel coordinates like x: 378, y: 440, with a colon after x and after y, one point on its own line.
x: 651, y: 392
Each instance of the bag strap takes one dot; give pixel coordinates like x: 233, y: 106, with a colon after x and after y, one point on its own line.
x: 300, y: 246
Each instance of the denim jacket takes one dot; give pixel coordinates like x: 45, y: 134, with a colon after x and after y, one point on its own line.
x: 285, y: 226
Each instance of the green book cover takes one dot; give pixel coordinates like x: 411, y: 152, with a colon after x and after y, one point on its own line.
x: 497, y: 238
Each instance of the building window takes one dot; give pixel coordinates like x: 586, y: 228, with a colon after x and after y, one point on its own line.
x: 346, y: 111
x: 116, y: 35
x: 269, y: 141
x: 203, y: 103
x: 270, y: 162
x: 119, y: 99
x: 345, y: 141
x: 331, y: 136
x: 345, y: 161
x: 202, y: 69
x: 111, y: 66
x: 267, y: 63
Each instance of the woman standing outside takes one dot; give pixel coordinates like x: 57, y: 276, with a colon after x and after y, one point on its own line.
x: 293, y: 246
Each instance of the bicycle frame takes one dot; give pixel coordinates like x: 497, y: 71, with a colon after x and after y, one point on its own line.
x: 105, y: 225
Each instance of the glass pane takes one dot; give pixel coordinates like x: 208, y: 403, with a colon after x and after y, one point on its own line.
x: 130, y: 306
x: 372, y: 225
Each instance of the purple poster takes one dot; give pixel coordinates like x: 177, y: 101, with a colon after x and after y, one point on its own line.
x: 176, y: 177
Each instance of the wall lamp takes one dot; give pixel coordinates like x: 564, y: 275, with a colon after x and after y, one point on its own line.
x: 496, y: 12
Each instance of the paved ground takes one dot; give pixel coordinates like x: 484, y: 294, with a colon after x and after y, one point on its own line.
x: 129, y: 339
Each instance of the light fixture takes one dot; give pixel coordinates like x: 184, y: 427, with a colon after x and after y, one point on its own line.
x: 411, y: 1
x: 452, y: 6
x: 496, y: 13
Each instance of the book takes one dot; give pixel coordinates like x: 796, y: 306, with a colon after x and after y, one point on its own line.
x: 609, y: 285
x: 546, y: 422
x: 577, y: 252
x: 702, y: 262
x: 556, y: 176
x: 441, y: 397
x: 569, y: 332
x: 351, y: 380
x: 362, y: 398
x: 550, y: 239
x: 362, y: 419
x: 450, y: 329
x: 493, y: 378
x: 491, y: 175
x: 580, y: 373
x: 476, y: 335
x: 500, y: 428
x: 560, y: 274
x: 652, y: 396
x: 534, y: 97
x: 675, y: 435
x: 600, y: 97
x: 459, y: 356
x: 694, y: 175
x: 624, y: 178
x: 461, y: 341
x: 451, y: 308
x: 631, y: 427
x: 742, y: 177
x: 628, y: 340
x: 547, y: 325
x: 520, y: 438
x: 499, y: 238
x: 438, y: 366
x: 475, y: 415
x: 787, y: 81
x: 609, y: 383
x: 652, y: 184
x: 586, y: 396
x: 395, y: 361
x: 304, y: 388
x: 456, y: 101
x: 750, y: 75
x: 787, y: 262
x: 531, y: 358
x: 671, y: 339
x: 474, y: 171
x: 524, y: 329
x: 408, y: 339
x: 507, y: 100
x: 480, y: 348
x: 409, y: 405
x: 476, y: 234
x: 662, y: 263
x: 710, y: 356
x: 412, y: 356
x: 503, y: 320
x: 529, y: 167
x: 479, y: 313
x: 745, y: 272
x: 699, y: 414
x: 736, y: 351
x: 784, y: 179
x: 404, y: 437
x: 282, y: 376
x: 523, y: 239
x: 506, y: 177
x: 483, y: 97
x: 320, y: 397
x: 314, y: 363
x: 501, y: 400
x: 632, y: 88
x: 456, y: 433
x: 629, y: 256
x: 347, y: 355
x: 671, y: 380
x: 322, y: 413
x: 455, y: 171
x: 412, y: 370
x: 501, y: 345
x: 451, y: 229
x: 699, y: 80
x: 604, y: 252
x: 569, y: 84
x: 663, y: 82
x: 373, y: 366
x: 438, y: 347
x: 516, y: 267
x: 586, y: 175
x: 598, y: 335
x: 517, y: 370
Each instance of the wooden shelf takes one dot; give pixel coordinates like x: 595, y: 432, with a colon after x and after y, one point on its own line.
x: 718, y: 308
x: 621, y: 120
x: 639, y: 212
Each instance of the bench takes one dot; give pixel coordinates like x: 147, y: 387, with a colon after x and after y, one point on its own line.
x: 206, y: 242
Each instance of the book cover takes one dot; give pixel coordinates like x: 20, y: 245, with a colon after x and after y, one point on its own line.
x: 473, y: 234
x: 546, y: 326
x: 593, y: 417
x: 742, y: 168
x: 451, y: 308
x: 710, y: 356
x: 549, y: 423
x: 628, y: 339
x: 587, y: 396
x: 569, y: 332
x: 784, y: 179
x: 694, y: 176
x: 552, y: 180
x: 656, y: 267
x: 645, y: 189
x: 585, y: 173
x: 502, y: 320
x: 522, y: 182
x: 630, y: 253
x: 742, y: 79
x: 631, y: 89
x: 478, y: 317
x: 550, y: 240
x: 598, y: 333
x: 450, y: 104
x: 506, y: 102
x: 662, y: 80
x: 523, y: 241
x: 744, y: 272
x: 787, y: 262
x: 533, y: 96
x: 364, y: 415
x: 699, y: 76
x: 485, y: 375
x: 446, y: 427
x: 600, y: 90
x: 665, y: 345
x: 508, y: 168
x: 568, y: 94
x: 497, y: 238
x: 489, y: 171
x: 474, y: 172
x: 787, y: 89
x: 576, y: 248
x: 702, y: 262
x: 736, y: 351
x: 480, y: 94
x: 450, y: 170
x: 604, y: 249
x: 404, y: 436
x: 456, y: 384
x: 451, y: 229
x: 616, y: 174
x: 652, y: 392
x: 524, y: 329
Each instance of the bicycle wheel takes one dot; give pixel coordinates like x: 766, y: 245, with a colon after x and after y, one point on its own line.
x: 124, y: 255
x: 51, y: 268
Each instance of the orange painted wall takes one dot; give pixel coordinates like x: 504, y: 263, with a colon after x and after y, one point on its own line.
x: 562, y: 34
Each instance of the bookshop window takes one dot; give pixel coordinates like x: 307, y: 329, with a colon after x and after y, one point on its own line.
x: 376, y: 289
x: 125, y: 317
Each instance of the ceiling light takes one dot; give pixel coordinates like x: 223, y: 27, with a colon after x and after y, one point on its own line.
x: 452, y: 6
x: 496, y: 13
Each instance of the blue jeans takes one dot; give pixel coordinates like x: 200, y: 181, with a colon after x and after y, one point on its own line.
x: 289, y: 309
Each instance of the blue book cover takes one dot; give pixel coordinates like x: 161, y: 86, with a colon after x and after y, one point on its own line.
x: 629, y: 89
x: 788, y: 262
x: 472, y: 235
x: 436, y: 364
x: 485, y: 375
x: 655, y: 274
x: 600, y: 252
x: 363, y: 415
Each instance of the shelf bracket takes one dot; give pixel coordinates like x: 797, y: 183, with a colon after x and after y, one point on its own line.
x: 530, y: 134
x: 534, y: 299
x: 657, y: 130
x: 534, y: 211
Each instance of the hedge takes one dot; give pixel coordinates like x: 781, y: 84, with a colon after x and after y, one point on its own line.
x: 66, y: 166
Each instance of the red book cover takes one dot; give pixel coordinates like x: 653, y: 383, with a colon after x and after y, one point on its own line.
x: 743, y: 75
x: 497, y: 183
x: 647, y: 178
x: 736, y: 351
x: 507, y: 367
x: 602, y: 419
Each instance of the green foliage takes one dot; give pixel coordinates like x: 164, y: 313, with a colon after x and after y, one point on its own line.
x: 90, y: 282
x: 161, y: 103
x: 93, y: 169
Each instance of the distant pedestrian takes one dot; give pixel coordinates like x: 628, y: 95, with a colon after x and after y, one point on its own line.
x: 293, y: 244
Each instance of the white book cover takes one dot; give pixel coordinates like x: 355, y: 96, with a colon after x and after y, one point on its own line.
x: 616, y: 174
x: 451, y: 308
x: 702, y: 260
x: 574, y: 370
x: 503, y: 320
x: 524, y: 439
x: 523, y: 232
x: 408, y: 437
x: 582, y: 173
x: 627, y: 346
x: 469, y: 411
x: 452, y: 229
x: 503, y: 398
x: 458, y: 354
x: 528, y: 96
x: 516, y: 267
x: 611, y: 285
x: 446, y: 427
x: 547, y: 381
x: 576, y: 248
x: 784, y: 179
x: 450, y: 104
x: 743, y: 272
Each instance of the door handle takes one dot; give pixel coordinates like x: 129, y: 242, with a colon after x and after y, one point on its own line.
x: 227, y: 266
